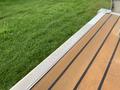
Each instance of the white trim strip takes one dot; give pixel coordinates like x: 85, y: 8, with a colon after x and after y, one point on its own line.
x: 118, y: 14
x: 102, y: 10
x: 108, y: 11
x: 39, y: 71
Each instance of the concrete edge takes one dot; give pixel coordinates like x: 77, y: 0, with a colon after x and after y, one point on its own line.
x: 40, y: 70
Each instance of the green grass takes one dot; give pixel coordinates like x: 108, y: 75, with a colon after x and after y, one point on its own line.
x: 30, y: 30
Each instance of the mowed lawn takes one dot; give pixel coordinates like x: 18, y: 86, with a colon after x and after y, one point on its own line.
x: 30, y: 30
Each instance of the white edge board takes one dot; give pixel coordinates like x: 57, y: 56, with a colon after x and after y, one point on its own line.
x: 40, y: 70
x: 118, y: 14
x: 108, y: 11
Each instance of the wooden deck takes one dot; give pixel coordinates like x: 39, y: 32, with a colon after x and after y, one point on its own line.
x: 92, y: 63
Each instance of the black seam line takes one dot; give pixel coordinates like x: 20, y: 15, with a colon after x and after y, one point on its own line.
x: 71, y: 48
x: 76, y: 56
x: 86, y: 70
x: 108, y: 66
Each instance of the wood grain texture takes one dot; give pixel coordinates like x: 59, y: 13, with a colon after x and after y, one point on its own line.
x: 49, y: 78
x: 83, y: 67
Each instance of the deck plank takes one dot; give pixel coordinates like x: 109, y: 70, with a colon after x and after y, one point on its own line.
x: 75, y: 71
x: 52, y: 75
x: 112, y: 81
x: 95, y: 73
x: 93, y: 63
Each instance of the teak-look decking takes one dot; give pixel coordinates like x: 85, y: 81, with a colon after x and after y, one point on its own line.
x: 93, y: 63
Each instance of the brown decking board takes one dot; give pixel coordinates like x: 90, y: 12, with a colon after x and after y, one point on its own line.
x: 112, y: 81
x: 97, y: 69
x: 84, y: 65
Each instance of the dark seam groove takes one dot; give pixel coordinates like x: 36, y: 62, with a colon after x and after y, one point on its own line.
x: 71, y: 48
x: 76, y: 56
x: 108, y: 66
x: 83, y: 75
